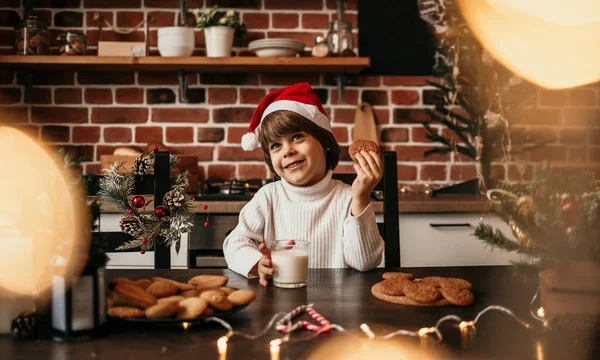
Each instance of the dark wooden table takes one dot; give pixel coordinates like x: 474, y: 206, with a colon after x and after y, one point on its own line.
x: 341, y: 295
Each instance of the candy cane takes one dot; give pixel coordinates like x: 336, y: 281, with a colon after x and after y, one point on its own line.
x: 323, y: 326
x: 320, y: 319
x: 287, y: 318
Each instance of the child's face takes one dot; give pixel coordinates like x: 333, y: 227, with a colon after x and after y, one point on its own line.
x: 298, y: 158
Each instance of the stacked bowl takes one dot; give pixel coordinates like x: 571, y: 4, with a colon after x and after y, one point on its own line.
x: 275, y: 47
x: 176, y: 41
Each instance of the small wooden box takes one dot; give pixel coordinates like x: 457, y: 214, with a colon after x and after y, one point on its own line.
x: 121, y: 48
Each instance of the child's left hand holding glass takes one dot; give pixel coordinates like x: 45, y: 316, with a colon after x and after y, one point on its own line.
x: 368, y: 173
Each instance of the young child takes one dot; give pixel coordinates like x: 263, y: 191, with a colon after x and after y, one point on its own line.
x: 307, y: 204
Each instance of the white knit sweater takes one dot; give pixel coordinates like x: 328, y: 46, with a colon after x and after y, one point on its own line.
x: 320, y: 214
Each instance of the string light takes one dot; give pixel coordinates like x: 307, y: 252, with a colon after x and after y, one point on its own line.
x: 540, y: 312
x: 222, y: 347
x: 403, y: 189
x: 185, y: 325
x: 367, y: 330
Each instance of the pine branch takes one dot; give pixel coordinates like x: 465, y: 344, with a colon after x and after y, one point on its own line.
x: 496, y: 238
x: 130, y: 245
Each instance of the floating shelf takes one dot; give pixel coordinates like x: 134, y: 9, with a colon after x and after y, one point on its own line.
x: 347, y: 65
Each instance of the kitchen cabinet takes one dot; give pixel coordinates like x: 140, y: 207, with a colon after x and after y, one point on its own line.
x: 136, y: 260
x: 436, y: 239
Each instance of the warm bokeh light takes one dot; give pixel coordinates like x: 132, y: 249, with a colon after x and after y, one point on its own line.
x: 392, y: 349
x: 551, y: 43
x: 41, y: 217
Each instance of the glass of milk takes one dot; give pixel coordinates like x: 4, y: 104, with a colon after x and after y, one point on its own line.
x: 290, y: 262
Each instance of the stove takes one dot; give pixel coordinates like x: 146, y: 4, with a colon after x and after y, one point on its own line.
x: 217, y: 189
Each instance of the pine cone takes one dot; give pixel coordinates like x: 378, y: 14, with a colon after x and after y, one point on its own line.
x: 174, y: 199
x: 140, y: 166
x: 130, y: 225
x: 26, y: 325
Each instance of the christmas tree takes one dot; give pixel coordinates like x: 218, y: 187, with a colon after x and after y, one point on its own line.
x: 476, y: 96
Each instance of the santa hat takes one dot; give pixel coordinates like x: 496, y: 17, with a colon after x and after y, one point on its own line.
x: 299, y: 98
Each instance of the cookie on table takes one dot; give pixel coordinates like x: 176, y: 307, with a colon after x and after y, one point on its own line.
x: 132, y: 295
x: 162, y: 310
x: 403, y: 275
x: 162, y: 289
x: 422, y: 293
x: 191, y: 308
x: 181, y: 286
x: 455, y: 282
x: 241, y: 297
x: 404, y: 300
x: 217, y: 300
x: 174, y: 298
x: 143, y: 283
x: 227, y: 290
x: 394, y: 286
x: 126, y: 312
x: 208, y: 281
x: 457, y: 296
x: 360, y: 145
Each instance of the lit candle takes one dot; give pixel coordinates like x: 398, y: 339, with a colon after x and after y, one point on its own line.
x: 275, y: 349
x: 425, y: 336
x: 222, y: 347
x: 467, y: 333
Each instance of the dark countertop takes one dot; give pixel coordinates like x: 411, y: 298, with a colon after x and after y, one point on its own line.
x: 407, y: 203
x: 343, y: 297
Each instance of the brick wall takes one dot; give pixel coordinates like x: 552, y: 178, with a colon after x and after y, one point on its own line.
x: 93, y: 113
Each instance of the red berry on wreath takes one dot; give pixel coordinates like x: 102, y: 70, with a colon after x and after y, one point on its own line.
x: 144, y: 240
x: 205, y: 206
x: 206, y: 224
x: 138, y: 201
x: 155, y: 148
x: 142, y: 252
x: 161, y: 212
x: 129, y: 211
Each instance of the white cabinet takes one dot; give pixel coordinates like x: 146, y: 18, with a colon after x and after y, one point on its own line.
x: 135, y: 260
x: 447, y: 240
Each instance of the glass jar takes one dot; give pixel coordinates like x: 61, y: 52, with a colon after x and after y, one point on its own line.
x: 320, y: 49
x: 32, y: 37
x: 340, y: 39
x: 72, y: 43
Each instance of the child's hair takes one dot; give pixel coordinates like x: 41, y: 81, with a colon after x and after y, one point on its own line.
x: 283, y: 122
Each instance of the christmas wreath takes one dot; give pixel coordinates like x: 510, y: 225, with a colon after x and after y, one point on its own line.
x: 169, y: 218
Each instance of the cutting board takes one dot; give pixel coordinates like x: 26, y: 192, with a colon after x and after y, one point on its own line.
x: 364, y: 124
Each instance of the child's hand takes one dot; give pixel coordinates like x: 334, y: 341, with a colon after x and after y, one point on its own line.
x: 368, y: 171
x: 264, y: 266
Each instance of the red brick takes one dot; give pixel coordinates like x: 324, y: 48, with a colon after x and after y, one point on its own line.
x: 417, y: 134
x: 166, y: 78
x: 67, y: 96
x: 115, y: 115
x: 55, y: 134
x: 315, y: 21
x: 9, y: 18
x: 59, y: 115
x: 308, y: 38
x: 552, y: 98
x: 229, y: 79
x: 163, y: 18
x: 129, y: 19
x: 180, y: 135
x: 48, y: 78
x: 382, y: 116
x: 148, y: 134
x: 40, y: 96
x: 409, y: 116
x: 98, y: 96
x: 44, y: 16
x: 256, y: 21
x: 10, y: 95
x: 340, y: 134
x: 582, y: 97
x: 180, y: 115
x: 351, y: 18
x: 463, y: 172
x: 375, y: 97
x: 348, y: 4
x: 233, y: 115
x: 246, y: 171
x: 407, y: 172
x: 433, y: 172
x: 174, y: 4
x: 407, y: 80
x: 582, y: 117
x: 289, y: 78
x: 345, y: 116
x: 594, y: 137
x: 85, y: 153
x: 350, y: 97
x: 251, y: 96
x: 577, y: 154
x: 86, y: 134
x: 498, y: 172
x: 284, y: 21
x: 367, y: 81
x: 129, y: 96
x: 550, y: 153
x: 222, y: 96
x: 105, y: 78
x: 117, y: 134
x: 520, y: 172
x: 210, y: 134
x: 234, y: 134
x: 394, y: 135
x: 405, y: 97
x: 7, y: 76
x: 7, y: 37
x: 105, y: 150
x: 93, y: 169
x: 415, y: 153
x: 293, y: 5
x: 221, y: 171
x: 204, y: 153
x: 89, y: 18
x: 109, y: 4
x: 236, y: 153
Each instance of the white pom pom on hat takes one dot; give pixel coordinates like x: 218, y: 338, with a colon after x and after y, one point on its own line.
x: 299, y: 98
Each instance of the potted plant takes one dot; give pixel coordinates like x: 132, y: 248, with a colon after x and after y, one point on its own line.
x: 219, y: 30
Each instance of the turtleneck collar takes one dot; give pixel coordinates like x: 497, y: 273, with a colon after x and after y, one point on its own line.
x: 309, y: 193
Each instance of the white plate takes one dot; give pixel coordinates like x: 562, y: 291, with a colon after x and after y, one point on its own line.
x: 275, y: 52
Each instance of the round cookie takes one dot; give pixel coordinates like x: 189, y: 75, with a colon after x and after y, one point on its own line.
x: 189, y: 293
x: 227, y: 290
x: 403, y: 300
x: 457, y: 296
x: 422, y: 293
x: 132, y: 295
x: 360, y: 145
x: 394, y: 286
x: 162, y: 289
x: 162, y: 310
x: 217, y: 300
x: 455, y: 282
x: 181, y: 286
x: 241, y: 297
x: 191, y: 307
x: 174, y: 298
x: 389, y: 275
x: 126, y: 312
x: 208, y: 281
x: 143, y: 283
x: 432, y: 280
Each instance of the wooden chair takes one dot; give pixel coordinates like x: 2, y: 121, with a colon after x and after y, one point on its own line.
x: 157, y: 185
x: 387, y: 190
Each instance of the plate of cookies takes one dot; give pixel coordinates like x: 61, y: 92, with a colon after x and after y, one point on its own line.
x: 405, y: 289
x: 166, y: 301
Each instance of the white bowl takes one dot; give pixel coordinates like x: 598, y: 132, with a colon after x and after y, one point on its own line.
x: 274, y: 52
x: 175, y: 30
x: 173, y: 50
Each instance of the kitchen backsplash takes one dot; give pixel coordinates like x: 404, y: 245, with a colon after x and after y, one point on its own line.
x: 93, y: 113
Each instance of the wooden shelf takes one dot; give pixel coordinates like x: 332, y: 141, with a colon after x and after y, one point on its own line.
x: 350, y: 65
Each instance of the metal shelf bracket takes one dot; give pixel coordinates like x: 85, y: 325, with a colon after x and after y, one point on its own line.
x: 182, y: 87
